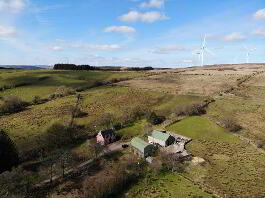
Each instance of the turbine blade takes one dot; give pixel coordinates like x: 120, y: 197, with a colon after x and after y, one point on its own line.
x: 209, y: 51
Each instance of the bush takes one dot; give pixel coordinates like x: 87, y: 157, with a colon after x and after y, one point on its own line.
x: 62, y: 91
x: 155, y: 119
x: 172, y: 162
x: 261, y: 144
x: 116, y: 178
x: 76, y: 112
x: 36, y: 100
x: 12, y: 104
x: 57, y: 134
x: 16, y: 183
x: 192, y: 109
x: 231, y: 124
x: 8, y: 152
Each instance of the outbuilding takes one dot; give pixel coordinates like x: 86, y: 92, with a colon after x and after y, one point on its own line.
x: 141, y: 147
x: 107, y: 136
x: 161, y: 138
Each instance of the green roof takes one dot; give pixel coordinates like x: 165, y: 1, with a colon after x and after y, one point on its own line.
x: 160, y: 136
x: 139, y: 144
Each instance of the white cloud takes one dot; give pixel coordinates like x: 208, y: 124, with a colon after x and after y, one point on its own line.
x: 168, y: 49
x: 260, y: 14
x: 187, y: 61
x: 152, y: 4
x: 103, y: 47
x: 259, y: 32
x: 234, y: 37
x: 57, y: 48
x: 120, y: 29
x: 13, y: 6
x: 7, y: 31
x: 72, y: 45
x: 148, y: 17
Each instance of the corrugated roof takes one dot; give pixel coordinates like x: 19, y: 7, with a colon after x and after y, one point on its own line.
x: 139, y: 144
x: 160, y: 136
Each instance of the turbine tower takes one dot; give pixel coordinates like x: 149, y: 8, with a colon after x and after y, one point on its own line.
x: 249, y: 51
x: 204, y: 49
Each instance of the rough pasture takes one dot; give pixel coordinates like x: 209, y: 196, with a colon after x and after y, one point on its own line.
x: 232, y: 166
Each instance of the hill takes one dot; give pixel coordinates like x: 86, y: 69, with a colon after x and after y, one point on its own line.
x: 44, y: 130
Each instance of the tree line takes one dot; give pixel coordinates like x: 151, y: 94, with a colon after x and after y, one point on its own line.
x: 61, y: 66
x: 73, y: 67
x: 139, y: 68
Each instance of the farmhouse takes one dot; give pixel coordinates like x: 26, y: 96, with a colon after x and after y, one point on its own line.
x: 141, y: 147
x: 161, y: 138
x: 106, y: 136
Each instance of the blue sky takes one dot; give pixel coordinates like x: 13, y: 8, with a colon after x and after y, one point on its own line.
x: 162, y: 33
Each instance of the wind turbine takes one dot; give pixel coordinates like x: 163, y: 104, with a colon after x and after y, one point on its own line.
x: 201, y: 52
x: 249, y: 51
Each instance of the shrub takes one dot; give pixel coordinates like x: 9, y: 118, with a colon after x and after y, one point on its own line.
x: 62, y: 91
x: 172, y: 162
x: 261, y: 144
x: 155, y: 119
x: 12, y: 104
x: 16, y: 183
x: 57, y: 134
x: 116, y: 178
x: 76, y: 112
x: 192, y: 109
x: 36, y: 100
x: 231, y: 124
x: 8, y: 152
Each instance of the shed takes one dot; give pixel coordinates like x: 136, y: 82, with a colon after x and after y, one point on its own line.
x: 106, y: 136
x: 161, y: 138
x: 180, y: 138
x: 141, y: 147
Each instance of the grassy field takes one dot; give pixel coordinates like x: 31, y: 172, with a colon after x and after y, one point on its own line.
x: 199, y: 128
x: 43, y: 83
x: 135, y: 129
x: 98, y: 103
x: 166, y: 185
x: 246, y: 105
x: 232, y: 166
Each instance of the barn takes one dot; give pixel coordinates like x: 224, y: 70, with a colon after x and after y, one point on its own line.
x: 161, y: 138
x: 106, y: 136
x: 141, y: 147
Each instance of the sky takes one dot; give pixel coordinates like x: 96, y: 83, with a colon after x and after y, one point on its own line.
x: 158, y: 33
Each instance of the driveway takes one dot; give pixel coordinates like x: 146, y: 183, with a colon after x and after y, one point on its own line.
x: 116, y: 146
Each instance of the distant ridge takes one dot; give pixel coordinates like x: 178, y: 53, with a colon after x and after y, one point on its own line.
x: 26, y: 66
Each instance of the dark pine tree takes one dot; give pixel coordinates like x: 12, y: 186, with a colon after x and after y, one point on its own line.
x: 8, y: 152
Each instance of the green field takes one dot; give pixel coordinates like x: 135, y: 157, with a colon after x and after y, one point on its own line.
x: 229, y: 161
x: 200, y: 128
x: 43, y: 83
x: 166, y: 185
x: 232, y: 168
